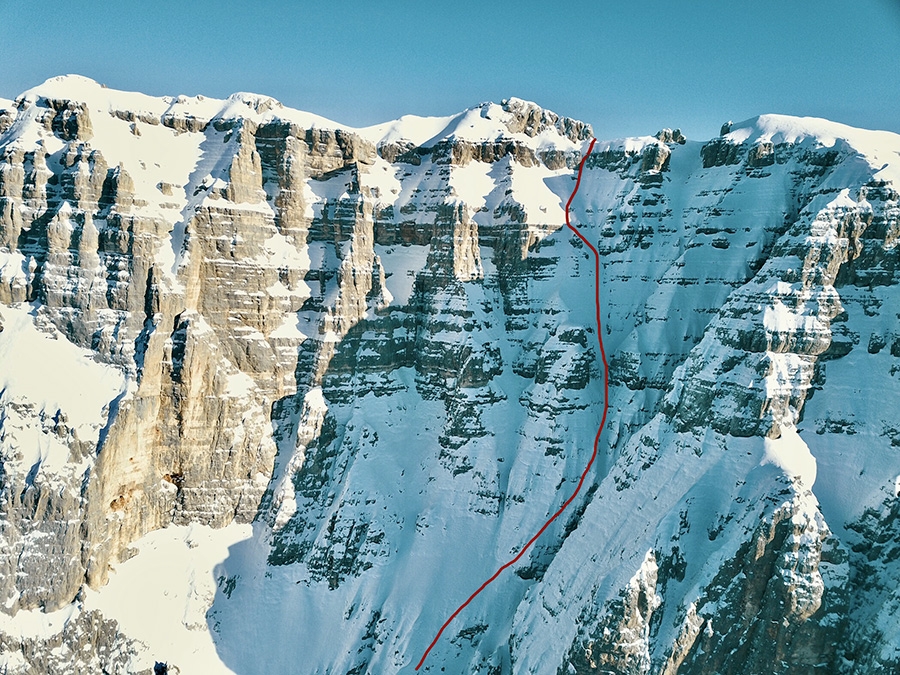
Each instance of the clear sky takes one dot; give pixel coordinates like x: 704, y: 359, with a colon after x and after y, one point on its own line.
x: 628, y: 67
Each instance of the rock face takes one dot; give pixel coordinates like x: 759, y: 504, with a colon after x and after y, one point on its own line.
x: 376, y: 346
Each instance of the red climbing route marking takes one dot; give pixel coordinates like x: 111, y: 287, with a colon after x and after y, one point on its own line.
x: 599, y: 429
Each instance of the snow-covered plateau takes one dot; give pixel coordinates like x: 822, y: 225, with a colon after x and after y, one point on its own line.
x: 277, y: 394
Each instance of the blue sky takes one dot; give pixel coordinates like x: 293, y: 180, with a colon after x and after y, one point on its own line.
x: 627, y: 67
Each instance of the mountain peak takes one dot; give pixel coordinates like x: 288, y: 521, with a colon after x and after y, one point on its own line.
x: 259, y: 103
x: 779, y: 128
x: 70, y: 87
x: 512, y: 118
x: 531, y: 119
x: 879, y: 148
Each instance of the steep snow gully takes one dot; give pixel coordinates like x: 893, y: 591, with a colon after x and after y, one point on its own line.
x: 590, y: 463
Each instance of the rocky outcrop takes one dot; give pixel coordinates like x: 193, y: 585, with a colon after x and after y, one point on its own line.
x: 761, y: 154
x: 720, y: 152
x: 620, y: 642
x: 71, y: 121
x: 786, y: 614
x: 87, y: 642
x: 532, y: 120
x: 655, y: 158
x: 671, y: 136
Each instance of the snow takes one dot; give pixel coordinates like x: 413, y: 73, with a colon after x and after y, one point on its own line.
x: 262, y: 109
x: 411, y: 128
x: 80, y: 88
x: 239, y: 385
x: 47, y: 372
x: 531, y: 186
x: 282, y: 253
x: 12, y: 265
x: 285, y: 504
x: 472, y: 183
x: 483, y: 122
x: 402, y: 263
x: 778, y: 318
x: 789, y: 129
x: 334, y: 188
x: 35, y: 623
x: 857, y: 460
x: 478, y: 124
x: 382, y: 180
x: 289, y: 328
x: 790, y: 453
x: 161, y: 595
x: 633, y: 145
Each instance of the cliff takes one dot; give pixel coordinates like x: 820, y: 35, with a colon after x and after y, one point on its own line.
x: 337, y: 376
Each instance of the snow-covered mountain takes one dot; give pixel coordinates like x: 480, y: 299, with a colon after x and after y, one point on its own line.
x: 277, y: 394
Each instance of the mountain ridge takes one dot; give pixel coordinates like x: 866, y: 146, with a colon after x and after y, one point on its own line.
x: 302, y: 348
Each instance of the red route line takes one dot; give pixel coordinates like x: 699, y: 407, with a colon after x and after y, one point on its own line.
x: 599, y: 429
